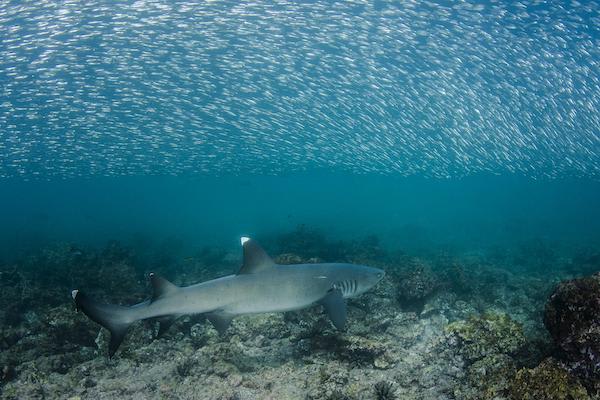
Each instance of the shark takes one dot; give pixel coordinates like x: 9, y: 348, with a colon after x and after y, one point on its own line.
x: 260, y: 286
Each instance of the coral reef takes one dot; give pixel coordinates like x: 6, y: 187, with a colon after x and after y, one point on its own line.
x: 338, y: 395
x: 478, y: 324
x: 415, y: 284
x: 489, y: 377
x: 487, y: 334
x: 548, y: 381
x: 486, y: 343
x: 572, y: 316
x: 310, y: 243
x: 384, y: 390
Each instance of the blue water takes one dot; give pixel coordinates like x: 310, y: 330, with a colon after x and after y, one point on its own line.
x: 426, y: 124
x: 412, y: 214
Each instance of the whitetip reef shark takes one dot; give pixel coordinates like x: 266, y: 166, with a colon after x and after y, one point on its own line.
x: 260, y: 286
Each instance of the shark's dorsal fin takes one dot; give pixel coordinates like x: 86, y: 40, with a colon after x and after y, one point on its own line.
x: 161, y: 286
x: 255, y: 258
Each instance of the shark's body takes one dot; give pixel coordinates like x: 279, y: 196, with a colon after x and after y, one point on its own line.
x: 260, y: 286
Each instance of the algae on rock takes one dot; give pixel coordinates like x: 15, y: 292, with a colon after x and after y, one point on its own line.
x: 548, y: 381
x: 487, y: 334
x: 486, y: 342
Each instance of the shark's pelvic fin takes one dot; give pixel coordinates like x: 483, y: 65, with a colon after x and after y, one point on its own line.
x: 164, y: 324
x: 255, y: 258
x: 161, y: 286
x: 112, y: 317
x: 335, y: 307
x: 220, y: 321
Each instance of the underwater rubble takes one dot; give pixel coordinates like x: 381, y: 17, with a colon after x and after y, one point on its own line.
x: 445, y: 326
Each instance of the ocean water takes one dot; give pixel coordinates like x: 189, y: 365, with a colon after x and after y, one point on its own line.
x: 464, y: 128
x: 213, y: 119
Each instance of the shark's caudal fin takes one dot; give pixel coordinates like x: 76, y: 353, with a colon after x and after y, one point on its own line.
x: 117, y: 319
x: 112, y: 317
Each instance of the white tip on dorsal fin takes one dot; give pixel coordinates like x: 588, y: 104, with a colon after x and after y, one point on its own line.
x: 161, y: 286
x: 255, y: 258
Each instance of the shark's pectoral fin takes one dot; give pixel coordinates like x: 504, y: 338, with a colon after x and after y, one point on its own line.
x: 164, y: 323
x: 335, y: 307
x: 220, y: 321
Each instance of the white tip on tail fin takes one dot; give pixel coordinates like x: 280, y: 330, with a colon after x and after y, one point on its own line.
x: 74, y: 293
x: 244, y: 239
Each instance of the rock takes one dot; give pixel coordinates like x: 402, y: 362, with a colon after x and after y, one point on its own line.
x: 491, y: 375
x: 8, y: 374
x: 415, y: 285
x: 289, y: 258
x: 572, y: 316
x: 548, y: 381
x: 489, y: 368
x: 486, y: 334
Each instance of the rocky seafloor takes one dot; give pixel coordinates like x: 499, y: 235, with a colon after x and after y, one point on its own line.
x: 519, y: 323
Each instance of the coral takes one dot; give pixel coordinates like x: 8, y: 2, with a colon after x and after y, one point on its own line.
x: 290, y: 258
x: 384, y: 390
x: 458, y: 278
x: 365, y: 251
x: 490, y: 376
x: 308, y: 243
x: 53, y: 352
x: 185, y: 367
x: 572, y: 316
x: 338, y: 395
x: 548, y: 381
x: 351, y: 348
x: 489, y: 333
x: 416, y: 282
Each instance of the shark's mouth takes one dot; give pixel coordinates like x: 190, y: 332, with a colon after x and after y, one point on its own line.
x: 347, y: 287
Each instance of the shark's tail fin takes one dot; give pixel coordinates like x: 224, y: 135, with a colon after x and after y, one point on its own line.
x: 114, y: 318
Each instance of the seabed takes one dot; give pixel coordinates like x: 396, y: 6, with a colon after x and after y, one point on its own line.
x: 441, y: 325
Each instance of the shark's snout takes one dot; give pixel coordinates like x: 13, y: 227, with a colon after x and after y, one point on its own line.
x: 371, y: 277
